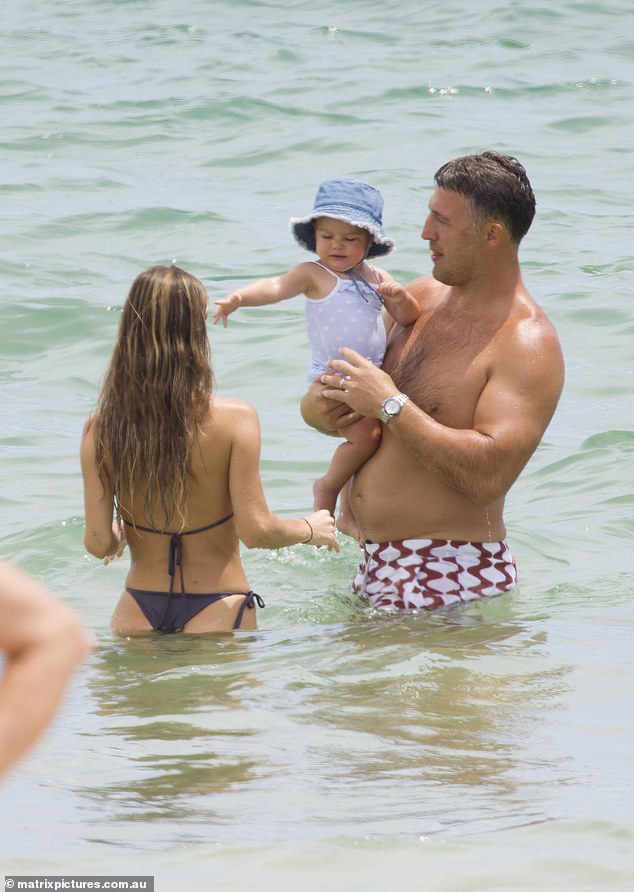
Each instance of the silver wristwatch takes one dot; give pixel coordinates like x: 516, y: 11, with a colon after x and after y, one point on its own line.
x: 392, y: 406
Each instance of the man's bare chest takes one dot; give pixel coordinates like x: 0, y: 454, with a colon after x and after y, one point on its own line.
x: 443, y: 367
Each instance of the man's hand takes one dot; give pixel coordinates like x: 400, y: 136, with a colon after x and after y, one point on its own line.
x: 358, y: 383
x: 326, y: 415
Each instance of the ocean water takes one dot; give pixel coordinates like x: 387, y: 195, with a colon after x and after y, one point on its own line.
x: 477, y: 749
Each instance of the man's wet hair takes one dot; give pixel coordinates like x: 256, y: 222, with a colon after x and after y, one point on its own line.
x: 496, y: 186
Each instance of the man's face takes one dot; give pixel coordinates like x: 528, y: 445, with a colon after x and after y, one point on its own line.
x: 455, y: 237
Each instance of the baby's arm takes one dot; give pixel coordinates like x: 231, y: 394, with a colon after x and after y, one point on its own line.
x: 400, y: 304
x: 298, y: 280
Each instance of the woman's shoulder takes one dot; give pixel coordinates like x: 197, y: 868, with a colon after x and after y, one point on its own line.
x: 228, y: 425
x: 230, y: 415
x: 90, y: 427
x: 229, y: 406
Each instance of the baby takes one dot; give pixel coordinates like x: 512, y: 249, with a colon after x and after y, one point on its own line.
x: 350, y: 303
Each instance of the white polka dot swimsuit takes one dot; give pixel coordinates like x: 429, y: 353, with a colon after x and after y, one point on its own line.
x: 344, y: 318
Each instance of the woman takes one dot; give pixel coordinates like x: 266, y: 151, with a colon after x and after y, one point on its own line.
x: 180, y: 471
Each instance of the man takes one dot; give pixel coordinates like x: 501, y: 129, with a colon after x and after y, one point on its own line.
x: 465, y: 396
x: 42, y: 642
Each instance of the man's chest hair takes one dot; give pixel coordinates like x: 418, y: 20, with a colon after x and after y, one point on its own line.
x: 443, y: 367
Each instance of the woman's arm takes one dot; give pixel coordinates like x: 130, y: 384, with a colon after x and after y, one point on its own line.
x: 43, y: 641
x: 102, y: 536
x: 256, y: 525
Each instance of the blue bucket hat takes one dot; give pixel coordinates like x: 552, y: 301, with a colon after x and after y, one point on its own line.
x: 352, y: 201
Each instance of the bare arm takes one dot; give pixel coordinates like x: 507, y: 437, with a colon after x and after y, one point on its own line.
x: 399, y: 302
x: 102, y: 536
x: 43, y: 642
x: 511, y: 415
x: 325, y: 415
x: 256, y: 525
x: 299, y: 280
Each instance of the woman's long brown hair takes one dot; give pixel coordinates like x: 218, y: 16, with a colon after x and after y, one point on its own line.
x: 155, y: 393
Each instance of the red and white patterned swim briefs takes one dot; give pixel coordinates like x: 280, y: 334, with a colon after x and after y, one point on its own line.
x: 430, y: 573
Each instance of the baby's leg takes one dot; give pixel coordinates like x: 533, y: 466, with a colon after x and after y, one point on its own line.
x: 346, y: 522
x: 362, y: 440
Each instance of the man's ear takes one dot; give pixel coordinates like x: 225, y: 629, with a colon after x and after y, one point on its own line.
x: 494, y: 232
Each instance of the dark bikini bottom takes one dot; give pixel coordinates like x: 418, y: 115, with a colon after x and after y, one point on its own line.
x: 169, y: 612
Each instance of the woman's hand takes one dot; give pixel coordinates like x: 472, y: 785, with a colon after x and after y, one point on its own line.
x: 118, y: 537
x: 320, y: 530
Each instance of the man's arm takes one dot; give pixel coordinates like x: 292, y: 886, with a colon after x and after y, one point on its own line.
x: 511, y: 415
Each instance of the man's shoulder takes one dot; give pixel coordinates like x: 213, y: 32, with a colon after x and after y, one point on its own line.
x: 424, y: 283
x: 532, y: 321
x: 426, y: 288
x: 530, y: 342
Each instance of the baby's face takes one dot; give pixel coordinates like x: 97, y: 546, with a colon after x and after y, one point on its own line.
x: 339, y: 245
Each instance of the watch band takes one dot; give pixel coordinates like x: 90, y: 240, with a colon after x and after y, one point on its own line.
x: 392, y: 406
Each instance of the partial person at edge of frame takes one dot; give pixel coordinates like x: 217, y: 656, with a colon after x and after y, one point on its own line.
x: 42, y: 642
x: 178, y: 468
x: 465, y: 396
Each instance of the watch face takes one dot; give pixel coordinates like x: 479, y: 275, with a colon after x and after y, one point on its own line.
x: 392, y: 406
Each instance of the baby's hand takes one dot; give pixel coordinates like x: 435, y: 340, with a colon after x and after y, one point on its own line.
x: 399, y: 302
x: 393, y: 291
x: 226, y: 306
